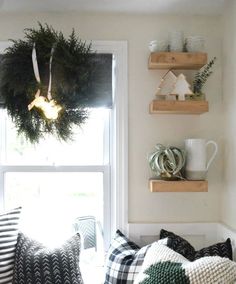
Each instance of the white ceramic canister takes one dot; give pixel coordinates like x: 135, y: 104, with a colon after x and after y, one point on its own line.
x: 195, y: 43
x: 158, y: 45
x: 176, y: 41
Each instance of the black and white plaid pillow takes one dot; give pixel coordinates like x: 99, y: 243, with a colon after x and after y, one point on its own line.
x: 37, y: 264
x: 9, y: 222
x: 124, y: 260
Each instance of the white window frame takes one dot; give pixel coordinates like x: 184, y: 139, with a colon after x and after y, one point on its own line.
x: 117, y: 198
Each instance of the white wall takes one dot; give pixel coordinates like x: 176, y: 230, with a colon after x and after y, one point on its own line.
x: 146, y: 130
x: 228, y: 209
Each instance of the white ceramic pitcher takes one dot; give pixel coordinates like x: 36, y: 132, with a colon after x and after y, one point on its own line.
x: 196, y: 161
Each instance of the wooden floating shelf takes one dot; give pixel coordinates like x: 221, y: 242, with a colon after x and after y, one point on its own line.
x: 177, y: 60
x: 178, y: 107
x: 178, y: 186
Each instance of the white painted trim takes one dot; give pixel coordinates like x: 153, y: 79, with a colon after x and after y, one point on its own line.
x: 119, y: 173
x: 209, y: 233
x: 36, y: 168
x: 2, y: 191
x: 205, y: 231
x: 121, y: 102
x: 2, y: 151
x: 107, y: 208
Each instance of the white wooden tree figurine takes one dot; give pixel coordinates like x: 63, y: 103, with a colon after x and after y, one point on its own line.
x: 166, y: 86
x: 181, y: 88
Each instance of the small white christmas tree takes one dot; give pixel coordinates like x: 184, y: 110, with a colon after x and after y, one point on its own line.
x: 181, y: 88
x: 166, y: 86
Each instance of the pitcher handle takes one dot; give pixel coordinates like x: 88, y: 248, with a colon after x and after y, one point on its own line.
x: 214, y: 154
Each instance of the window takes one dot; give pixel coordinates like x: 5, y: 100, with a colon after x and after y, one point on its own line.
x: 58, y: 182
x: 51, y: 187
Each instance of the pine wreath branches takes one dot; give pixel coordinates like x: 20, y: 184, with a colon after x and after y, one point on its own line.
x: 72, y: 68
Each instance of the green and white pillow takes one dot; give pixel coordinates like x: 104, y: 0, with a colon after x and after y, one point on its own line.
x: 163, y: 265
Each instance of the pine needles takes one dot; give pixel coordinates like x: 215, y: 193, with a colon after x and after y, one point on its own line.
x: 201, y: 77
x: 72, y: 69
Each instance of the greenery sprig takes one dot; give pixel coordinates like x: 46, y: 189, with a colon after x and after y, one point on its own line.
x: 201, y: 77
x: 72, y: 68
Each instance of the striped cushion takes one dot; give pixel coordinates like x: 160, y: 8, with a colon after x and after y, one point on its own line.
x: 8, y: 237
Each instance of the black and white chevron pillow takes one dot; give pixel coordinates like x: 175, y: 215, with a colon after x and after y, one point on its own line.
x: 9, y: 222
x: 37, y: 264
x: 182, y: 246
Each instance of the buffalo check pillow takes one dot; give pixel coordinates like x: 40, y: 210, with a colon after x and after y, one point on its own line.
x: 124, y: 260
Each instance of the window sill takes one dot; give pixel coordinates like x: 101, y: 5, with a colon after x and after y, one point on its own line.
x: 92, y: 266
x: 92, y: 273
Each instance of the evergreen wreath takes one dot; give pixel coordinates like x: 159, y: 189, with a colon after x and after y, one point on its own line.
x: 72, y: 68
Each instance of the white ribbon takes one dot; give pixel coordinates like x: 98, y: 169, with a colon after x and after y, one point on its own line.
x: 35, y: 64
x: 50, y: 107
x: 50, y: 75
x: 36, y: 70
